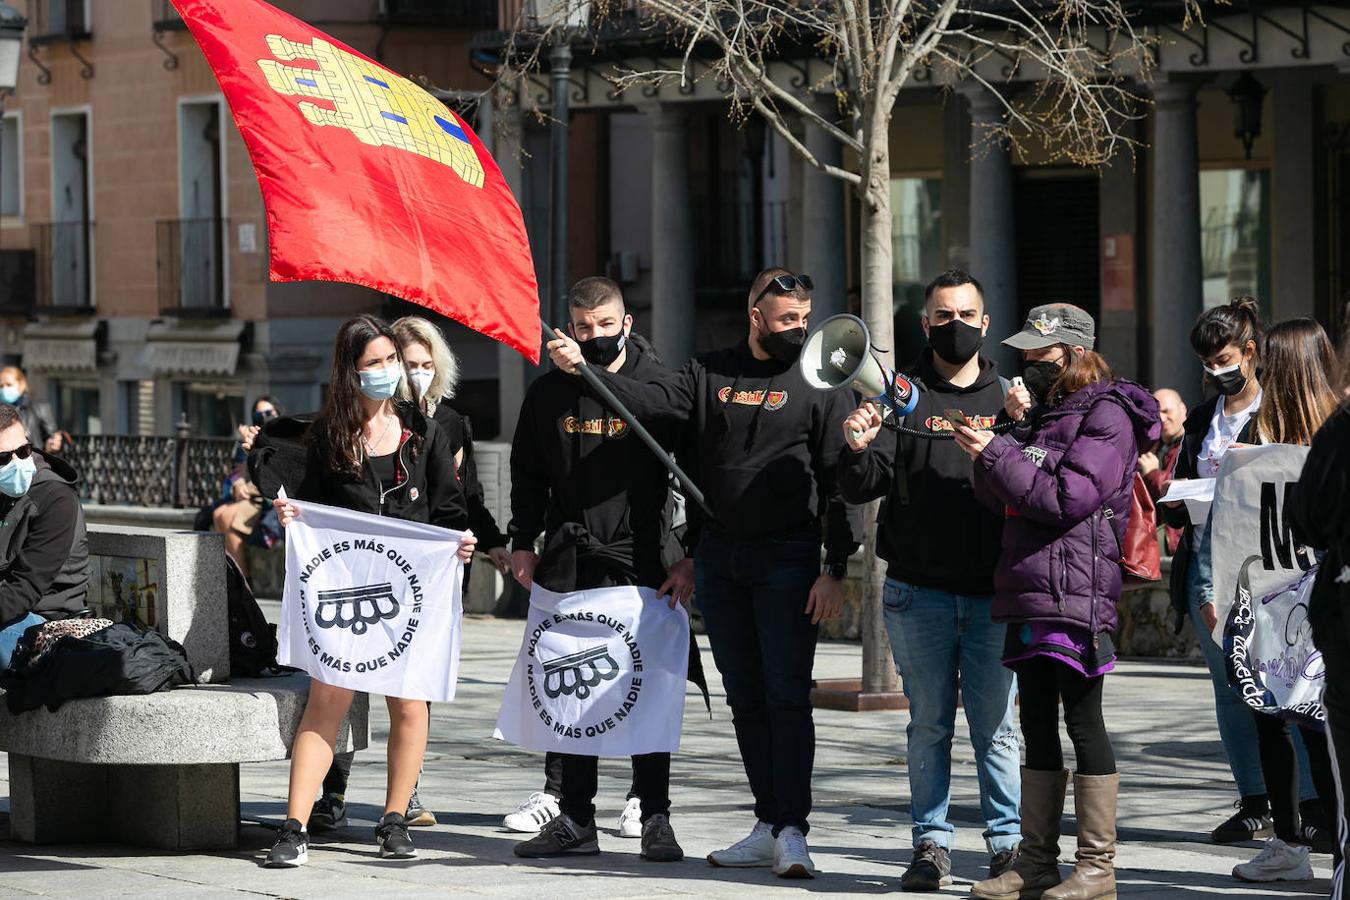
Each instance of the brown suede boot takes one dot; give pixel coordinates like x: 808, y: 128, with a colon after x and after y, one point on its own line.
x: 1037, y: 866
x: 1094, y: 874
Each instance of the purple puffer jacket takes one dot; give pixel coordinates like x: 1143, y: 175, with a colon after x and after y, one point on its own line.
x: 1061, y: 554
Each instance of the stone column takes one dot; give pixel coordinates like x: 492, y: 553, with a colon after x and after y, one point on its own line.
x: 1176, y: 295
x: 512, y: 369
x: 1293, y: 236
x: 824, y: 253
x: 672, y: 236
x: 993, y: 248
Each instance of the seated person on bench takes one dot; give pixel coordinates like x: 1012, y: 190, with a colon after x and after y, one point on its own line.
x: 44, y: 552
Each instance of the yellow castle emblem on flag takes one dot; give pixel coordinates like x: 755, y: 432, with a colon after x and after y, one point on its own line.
x: 381, y: 109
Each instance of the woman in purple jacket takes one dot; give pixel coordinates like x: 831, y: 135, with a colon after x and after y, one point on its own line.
x: 1063, y: 477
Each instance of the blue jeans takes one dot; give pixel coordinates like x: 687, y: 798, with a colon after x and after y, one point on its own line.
x: 753, y: 598
x: 10, y: 633
x: 940, y: 640
x: 1237, y: 727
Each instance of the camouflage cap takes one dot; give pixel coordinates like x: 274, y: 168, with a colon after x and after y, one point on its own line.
x: 1055, y: 323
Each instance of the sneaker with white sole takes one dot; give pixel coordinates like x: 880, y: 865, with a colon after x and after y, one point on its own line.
x: 753, y: 851
x: 291, y: 849
x: 790, y: 858
x: 630, y: 820
x: 1277, y: 861
x: 532, y: 815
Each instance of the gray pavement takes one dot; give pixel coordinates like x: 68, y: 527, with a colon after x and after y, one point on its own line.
x: 1175, y: 789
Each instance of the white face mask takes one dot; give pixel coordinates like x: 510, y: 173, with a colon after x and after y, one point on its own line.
x: 421, y: 382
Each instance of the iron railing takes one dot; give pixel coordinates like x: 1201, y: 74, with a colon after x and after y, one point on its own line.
x: 446, y: 13
x: 190, y: 266
x: 180, y: 472
x: 18, y: 287
x: 64, y: 274
x: 57, y: 20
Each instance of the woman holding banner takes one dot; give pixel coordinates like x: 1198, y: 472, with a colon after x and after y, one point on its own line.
x: 372, y: 454
x: 1064, y: 478
x: 1299, y: 371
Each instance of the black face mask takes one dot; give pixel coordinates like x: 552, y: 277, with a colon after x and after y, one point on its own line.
x: 603, y: 350
x: 784, y: 346
x: 1039, y: 376
x: 262, y: 416
x: 1229, y: 381
x: 956, y: 342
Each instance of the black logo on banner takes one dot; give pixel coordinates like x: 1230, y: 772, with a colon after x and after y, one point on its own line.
x: 356, y: 608
x: 578, y: 673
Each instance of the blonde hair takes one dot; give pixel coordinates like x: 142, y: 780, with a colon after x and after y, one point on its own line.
x: 21, y: 378
x: 1298, y: 383
x: 416, y: 330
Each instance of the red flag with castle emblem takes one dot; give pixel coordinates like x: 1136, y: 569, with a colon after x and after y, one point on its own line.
x: 366, y: 177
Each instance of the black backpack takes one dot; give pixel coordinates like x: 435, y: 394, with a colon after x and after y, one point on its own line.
x: 253, y: 640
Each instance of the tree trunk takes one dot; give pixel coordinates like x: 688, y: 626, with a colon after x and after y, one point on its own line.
x: 878, y: 672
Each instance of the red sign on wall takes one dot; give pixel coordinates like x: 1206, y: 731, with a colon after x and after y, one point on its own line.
x: 1118, y: 272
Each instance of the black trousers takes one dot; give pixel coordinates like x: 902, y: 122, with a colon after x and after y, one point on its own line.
x: 1279, y: 766
x: 1332, y: 638
x: 579, y: 776
x: 553, y: 776
x: 1042, y: 684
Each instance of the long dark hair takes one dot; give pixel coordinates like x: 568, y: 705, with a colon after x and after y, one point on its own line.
x: 1299, y: 381
x: 337, y: 429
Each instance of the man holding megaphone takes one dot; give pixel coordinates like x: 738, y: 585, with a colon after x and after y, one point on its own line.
x: 768, y: 446
x: 941, y: 547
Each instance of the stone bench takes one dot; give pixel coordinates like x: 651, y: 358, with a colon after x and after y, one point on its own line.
x: 160, y: 770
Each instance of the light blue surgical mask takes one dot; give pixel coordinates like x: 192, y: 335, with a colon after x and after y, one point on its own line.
x: 382, y: 383
x: 10, y: 395
x: 17, y: 477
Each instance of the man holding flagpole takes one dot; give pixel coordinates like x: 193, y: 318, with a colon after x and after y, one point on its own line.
x: 767, y: 450
x: 599, y: 497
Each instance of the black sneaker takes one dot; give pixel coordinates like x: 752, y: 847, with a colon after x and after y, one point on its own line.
x: 1251, y: 822
x: 658, y: 841
x: 1316, y: 831
x: 392, y: 836
x: 291, y: 849
x: 418, y: 816
x: 930, y: 870
x: 561, y: 836
x: 329, y: 813
x: 1001, y: 862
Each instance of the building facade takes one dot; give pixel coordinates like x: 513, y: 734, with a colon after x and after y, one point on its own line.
x: 133, y: 242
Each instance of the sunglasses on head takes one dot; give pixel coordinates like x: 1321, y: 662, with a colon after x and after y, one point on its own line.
x: 786, y: 284
x: 21, y: 452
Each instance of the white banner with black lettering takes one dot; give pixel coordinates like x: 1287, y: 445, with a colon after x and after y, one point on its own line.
x: 600, y: 673
x: 1248, y: 519
x: 372, y: 603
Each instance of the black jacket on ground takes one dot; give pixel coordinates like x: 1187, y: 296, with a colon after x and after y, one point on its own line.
x: 594, y: 490
x: 426, y: 489
x: 459, y: 434
x: 1320, y: 510
x: 767, y: 444
x: 1192, y: 441
x: 932, y: 531
x: 44, y: 551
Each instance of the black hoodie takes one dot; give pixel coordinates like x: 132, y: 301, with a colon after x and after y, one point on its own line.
x: 44, y: 552
x: 1320, y: 510
x: 767, y: 444
x: 595, y: 491
x: 933, y: 532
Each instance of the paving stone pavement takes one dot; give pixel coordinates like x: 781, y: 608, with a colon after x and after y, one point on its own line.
x: 1175, y: 789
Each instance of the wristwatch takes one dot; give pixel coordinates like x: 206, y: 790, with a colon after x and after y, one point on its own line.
x: 837, y: 571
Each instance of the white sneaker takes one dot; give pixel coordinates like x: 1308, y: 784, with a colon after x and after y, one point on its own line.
x: 533, y: 814
x: 1277, y: 861
x: 630, y: 820
x: 751, y: 851
x: 790, y: 859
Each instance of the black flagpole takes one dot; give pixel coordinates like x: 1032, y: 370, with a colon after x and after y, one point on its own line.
x: 691, y: 490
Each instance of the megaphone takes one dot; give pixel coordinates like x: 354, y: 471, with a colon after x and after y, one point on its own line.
x: 839, y: 353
